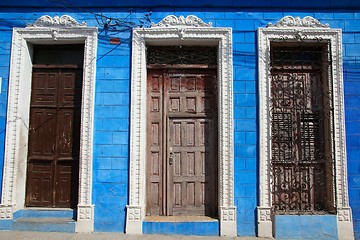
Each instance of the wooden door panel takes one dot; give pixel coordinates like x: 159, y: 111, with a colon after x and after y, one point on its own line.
x: 177, y: 195
x: 66, y: 181
x: 174, y: 104
x: 44, y: 88
x: 54, y: 138
x: 154, y: 185
x: 193, y: 93
x: 192, y: 161
x: 70, y: 88
x: 189, y: 133
x: 181, y: 143
x: 174, y: 84
x: 68, y: 130
x: 64, y: 184
x: 190, y: 104
x: 154, y: 164
x: 39, y: 184
x: 42, y: 133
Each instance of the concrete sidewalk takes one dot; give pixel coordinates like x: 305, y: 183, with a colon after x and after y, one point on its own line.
x: 13, y: 235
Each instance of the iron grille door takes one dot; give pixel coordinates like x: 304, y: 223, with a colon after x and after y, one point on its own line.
x: 302, y: 167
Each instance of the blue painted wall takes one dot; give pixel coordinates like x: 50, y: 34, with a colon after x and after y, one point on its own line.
x: 111, y: 148
x: 320, y: 227
x: 5, y: 43
x: 210, y: 228
x: 351, y: 43
x: 112, y: 97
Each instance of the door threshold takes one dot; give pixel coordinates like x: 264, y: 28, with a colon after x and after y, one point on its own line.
x: 180, y: 219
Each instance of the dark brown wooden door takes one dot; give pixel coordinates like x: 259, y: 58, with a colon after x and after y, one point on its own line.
x: 54, y: 138
x: 182, y: 143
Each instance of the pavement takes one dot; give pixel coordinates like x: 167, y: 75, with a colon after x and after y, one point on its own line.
x: 17, y: 235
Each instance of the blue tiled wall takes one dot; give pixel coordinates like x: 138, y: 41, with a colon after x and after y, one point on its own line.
x: 210, y: 228
x: 111, y: 139
x: 305, y: 227
x: 112, y: 97
x: 5, y: 42
x: 351, y: 43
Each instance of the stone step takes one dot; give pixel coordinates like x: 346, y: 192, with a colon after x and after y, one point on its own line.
x: 43, y: 224
x: 197, y: 226
x: 45, y: 213
x: 44, y: 220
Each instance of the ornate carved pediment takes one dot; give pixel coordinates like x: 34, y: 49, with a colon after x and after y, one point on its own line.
x: 63, y: 21
x: 291, y: 22
x: 189, y: 21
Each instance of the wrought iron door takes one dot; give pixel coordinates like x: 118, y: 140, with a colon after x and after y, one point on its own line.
x: 301, y: 161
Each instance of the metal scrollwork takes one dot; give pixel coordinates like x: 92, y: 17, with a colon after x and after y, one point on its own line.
x: 300, y: 36
x: 301, y: 131
x: 182, y: 55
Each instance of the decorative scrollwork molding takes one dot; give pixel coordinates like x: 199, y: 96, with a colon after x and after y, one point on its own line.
x: 63, y: 21
x: 300, y: 36
x: 289, y: 21
x: 189, y: 21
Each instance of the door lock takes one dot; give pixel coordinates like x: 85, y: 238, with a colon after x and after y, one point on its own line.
x: 171, y: 156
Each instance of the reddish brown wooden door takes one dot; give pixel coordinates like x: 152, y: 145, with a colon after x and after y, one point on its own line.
x: 182, y: 143
x: 53, y: 152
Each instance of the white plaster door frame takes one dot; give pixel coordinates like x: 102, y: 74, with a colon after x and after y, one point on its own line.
x: 305, y: 30
x: 174, y: 30
x: 46, y: 30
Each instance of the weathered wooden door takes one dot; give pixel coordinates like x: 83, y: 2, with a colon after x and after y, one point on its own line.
x: 54, y: 137
x: 182, y: 142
